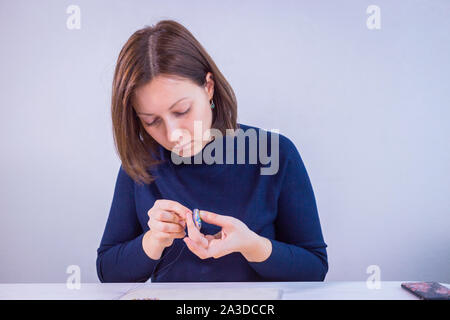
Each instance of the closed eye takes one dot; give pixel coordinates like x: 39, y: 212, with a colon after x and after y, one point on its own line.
x: 181, y: 113
x: 178, y: 114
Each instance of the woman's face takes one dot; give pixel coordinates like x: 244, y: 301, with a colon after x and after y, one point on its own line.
x: 169, y: 107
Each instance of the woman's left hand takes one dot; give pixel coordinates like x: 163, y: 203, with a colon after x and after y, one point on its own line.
x: 235, y: 236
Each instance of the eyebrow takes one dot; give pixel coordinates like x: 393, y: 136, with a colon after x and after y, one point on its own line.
x: 173, y: 105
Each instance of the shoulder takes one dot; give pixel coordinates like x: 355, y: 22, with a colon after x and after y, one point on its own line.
x: 124, y: 179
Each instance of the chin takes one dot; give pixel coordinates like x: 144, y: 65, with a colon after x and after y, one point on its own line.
x: 191, y: 151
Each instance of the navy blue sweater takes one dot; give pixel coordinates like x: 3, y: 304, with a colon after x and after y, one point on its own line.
x: 280, y: 207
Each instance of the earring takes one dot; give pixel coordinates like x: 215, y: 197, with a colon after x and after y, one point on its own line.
x: 212, y: 105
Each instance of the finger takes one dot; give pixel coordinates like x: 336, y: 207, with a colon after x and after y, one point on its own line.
x: 195, y: 248
x: 179, y: 235
x: 219, y: 255
x: 194, y: 233
x: 216, y: 219
x: 170, y: 235
x: 174, y: 206
x: 218, y: 235
x: 167, y: 216
x: 167, y: 227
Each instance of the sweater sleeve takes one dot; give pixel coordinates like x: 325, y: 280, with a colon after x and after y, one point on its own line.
x: 121, y: 257
x: 298, y: 250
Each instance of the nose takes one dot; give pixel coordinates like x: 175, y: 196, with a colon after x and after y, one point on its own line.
x: 174, y: 132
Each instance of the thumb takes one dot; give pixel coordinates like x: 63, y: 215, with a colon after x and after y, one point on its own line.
x: 214, y: 218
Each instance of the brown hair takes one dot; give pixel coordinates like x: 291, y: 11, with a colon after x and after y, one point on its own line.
x: 169, y: 49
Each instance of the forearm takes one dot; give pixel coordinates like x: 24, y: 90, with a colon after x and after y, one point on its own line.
x: 289, y: 262
x: 151, y: 247
x: 125, y: 262
x: 257, y: 248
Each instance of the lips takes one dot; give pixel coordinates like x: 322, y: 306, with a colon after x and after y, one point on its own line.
x: 183, y: 146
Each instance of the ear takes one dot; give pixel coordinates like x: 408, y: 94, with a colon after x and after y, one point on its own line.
x: 209, y: 86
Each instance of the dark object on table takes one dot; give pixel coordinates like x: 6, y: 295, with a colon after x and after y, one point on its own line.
x: 427, y: 290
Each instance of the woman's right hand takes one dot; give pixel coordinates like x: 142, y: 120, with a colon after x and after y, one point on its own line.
x: 167, y: 221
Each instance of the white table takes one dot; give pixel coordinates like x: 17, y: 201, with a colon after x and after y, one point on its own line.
x: 390, y: 290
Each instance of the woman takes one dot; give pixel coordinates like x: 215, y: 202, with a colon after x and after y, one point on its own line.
x: 168, y: 96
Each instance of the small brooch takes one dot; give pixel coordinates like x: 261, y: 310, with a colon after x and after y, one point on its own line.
x: 197, y: 219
